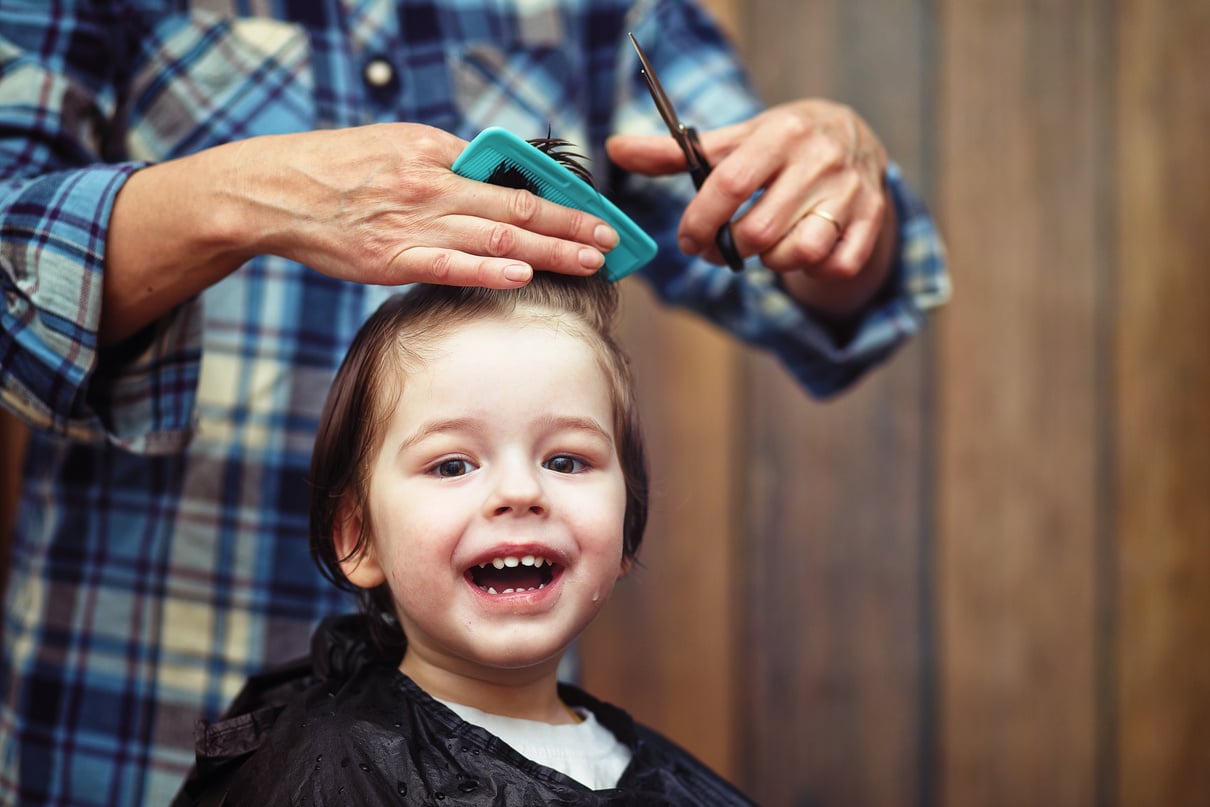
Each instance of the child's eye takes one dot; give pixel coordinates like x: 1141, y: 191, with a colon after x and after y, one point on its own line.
x: 564, y: 464
x: 452, y: 467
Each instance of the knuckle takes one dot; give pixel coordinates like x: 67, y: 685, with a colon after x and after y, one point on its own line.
x: 442, y: 267
x: 734, y: 181
x: 485, y: 273
x: 523, y: 206
x: 555, y: 257
x: 793, y: 128
x: 501, y: 240
x: 759, y: 234
x: 851, y: 187
x: 811, y: 252
x: 843, y: 266
x: 580, y: 222
x: 832, y: 154
x: 411, y: 185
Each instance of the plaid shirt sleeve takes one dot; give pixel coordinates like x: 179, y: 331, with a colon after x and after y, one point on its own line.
x: 703, y: 77
x: 54, y: 100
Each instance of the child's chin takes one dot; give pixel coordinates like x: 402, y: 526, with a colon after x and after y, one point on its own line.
x: 521, y: 656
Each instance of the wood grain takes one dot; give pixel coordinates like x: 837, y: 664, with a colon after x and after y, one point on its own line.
x: 13, y: 438
x: 1162, y: 392
x: 1019, y: 415
x: 836, y: 681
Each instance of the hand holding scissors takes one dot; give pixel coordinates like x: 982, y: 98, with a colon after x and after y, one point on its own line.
x: 823, y: 218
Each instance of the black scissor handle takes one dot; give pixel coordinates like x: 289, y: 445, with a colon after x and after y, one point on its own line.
x: 699, y: 169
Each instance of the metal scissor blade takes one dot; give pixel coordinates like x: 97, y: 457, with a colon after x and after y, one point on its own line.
x: 695, y: 160
x: 657, y: 93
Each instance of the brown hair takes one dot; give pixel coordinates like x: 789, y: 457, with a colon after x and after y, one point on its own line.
x: 370, y: 379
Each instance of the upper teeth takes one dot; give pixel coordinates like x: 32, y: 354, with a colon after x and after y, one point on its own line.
x: 512, y: 561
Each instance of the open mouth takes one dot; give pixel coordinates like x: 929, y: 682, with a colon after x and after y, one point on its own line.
x: 511, y: 574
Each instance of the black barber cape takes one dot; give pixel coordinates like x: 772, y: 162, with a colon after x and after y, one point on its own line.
x: 342, y: 727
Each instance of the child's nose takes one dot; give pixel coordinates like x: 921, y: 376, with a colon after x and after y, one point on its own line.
x: 518, y: 489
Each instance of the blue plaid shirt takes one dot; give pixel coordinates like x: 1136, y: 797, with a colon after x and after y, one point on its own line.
x: 160, y: 555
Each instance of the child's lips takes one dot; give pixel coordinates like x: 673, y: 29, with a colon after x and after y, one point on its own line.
x: 515, y: 573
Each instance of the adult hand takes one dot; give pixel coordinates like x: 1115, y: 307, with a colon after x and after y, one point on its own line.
x: 824, y: 218
x: 375, y: 204
x: 379, y: 204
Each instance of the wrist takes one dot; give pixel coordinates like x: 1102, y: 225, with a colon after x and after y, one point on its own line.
x: 244, y: 215
x: 170, y: 237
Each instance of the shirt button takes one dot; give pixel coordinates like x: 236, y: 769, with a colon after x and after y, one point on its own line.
x: 379, y: 73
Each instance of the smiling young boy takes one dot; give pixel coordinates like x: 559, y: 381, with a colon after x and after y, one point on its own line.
x: 479, y: 477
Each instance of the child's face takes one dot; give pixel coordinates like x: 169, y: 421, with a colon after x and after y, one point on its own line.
x: 501, y: 452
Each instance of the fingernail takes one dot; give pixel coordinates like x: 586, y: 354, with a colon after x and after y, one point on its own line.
x: 591, y: 259
x: 605, y: 237
x: 517, y: 273
x: 688, y: 246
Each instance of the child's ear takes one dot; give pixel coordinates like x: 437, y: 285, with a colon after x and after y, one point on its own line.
x: 360, y: 567
x: 627, y: 565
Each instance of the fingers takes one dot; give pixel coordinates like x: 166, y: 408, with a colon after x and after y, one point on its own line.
x: 497, y: 239
x: 730, y: 183
x: 475, y: 252
x: 526, y: 211
x: 653, y: 155
x: 659, y: 154
x: 452, y: 267
x: 821, y: 203
x: 511, y: 224
x: 790, y: 229
x: 775, y: 152
x: 828, y: 235
x: 834, y: 239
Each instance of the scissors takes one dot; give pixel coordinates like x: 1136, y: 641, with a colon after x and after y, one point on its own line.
x: 686, y: 137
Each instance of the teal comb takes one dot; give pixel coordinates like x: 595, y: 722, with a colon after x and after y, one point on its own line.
x: 494, y: 146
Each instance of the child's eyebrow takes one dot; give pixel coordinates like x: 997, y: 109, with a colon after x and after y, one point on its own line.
x: 575, y: 423
x: 432, y: 427
x: 473, y: 425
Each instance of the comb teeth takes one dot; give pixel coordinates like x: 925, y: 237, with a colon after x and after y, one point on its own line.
x: 495, y: 149
x: 539, y: 184
x: 505, y: 174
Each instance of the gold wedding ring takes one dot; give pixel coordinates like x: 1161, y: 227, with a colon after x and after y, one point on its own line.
x: 826, y: 216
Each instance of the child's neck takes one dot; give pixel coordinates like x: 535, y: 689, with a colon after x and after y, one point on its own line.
x: 529, y: 694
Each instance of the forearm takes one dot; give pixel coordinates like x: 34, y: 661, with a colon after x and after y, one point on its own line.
x: 174, y: 232
x: 317, y: 198
x: 374, y: 204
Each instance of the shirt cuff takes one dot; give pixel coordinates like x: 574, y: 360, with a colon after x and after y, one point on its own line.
x: 138, y: 395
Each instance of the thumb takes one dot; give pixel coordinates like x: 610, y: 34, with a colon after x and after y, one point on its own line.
x: 653, y: 155
x: 656, y: 155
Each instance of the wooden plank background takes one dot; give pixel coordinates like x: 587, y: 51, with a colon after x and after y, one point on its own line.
x: 1160, y: 383
x: 1022, y: 125
x: 982, y: 577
